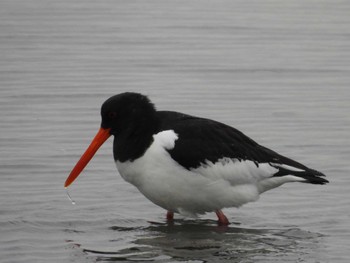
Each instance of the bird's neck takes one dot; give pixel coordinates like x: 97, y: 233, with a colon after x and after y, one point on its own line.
x: 132, y: 142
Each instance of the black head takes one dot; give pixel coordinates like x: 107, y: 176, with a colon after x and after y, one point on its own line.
x: 130, y: 115
x: 126, y: 111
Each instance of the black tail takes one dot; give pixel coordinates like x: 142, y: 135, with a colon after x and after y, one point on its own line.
x: 311, y: 176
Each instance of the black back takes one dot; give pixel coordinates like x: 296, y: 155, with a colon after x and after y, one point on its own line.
x: 201, y: 140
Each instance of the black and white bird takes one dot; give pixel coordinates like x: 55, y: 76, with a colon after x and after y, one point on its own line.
x: 186, y: 164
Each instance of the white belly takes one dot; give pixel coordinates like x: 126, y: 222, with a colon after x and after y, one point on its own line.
x: 227, y: 183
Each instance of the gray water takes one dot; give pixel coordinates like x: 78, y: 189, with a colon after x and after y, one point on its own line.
x: 277, y: 70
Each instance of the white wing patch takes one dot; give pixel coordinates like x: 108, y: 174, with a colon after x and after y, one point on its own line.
x: 244, y: 173
x: 235, y: 171
x: 288, y: 167
x: 166, y: 139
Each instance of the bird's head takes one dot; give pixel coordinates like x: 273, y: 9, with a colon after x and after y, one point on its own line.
x: 125, y: 111
x: 120, y: 113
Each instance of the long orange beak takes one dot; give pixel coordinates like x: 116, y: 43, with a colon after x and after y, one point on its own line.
x: 101, y: 136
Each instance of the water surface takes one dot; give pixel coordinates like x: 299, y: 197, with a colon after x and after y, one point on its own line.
x: 278, y: 71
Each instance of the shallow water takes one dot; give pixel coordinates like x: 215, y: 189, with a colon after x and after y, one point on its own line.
x: 277, y: 71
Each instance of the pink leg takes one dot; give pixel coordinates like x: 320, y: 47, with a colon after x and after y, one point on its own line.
x: 223, y: 221
x: 170, y: 216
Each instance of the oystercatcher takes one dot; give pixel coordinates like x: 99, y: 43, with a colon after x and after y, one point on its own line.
x: 186, y: 164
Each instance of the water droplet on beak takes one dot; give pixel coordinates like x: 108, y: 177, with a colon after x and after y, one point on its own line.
x: 69, y: 197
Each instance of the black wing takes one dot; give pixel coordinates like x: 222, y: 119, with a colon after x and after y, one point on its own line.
x: 201, y: 140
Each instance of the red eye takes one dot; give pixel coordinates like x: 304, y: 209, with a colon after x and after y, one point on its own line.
x: 112, y: 114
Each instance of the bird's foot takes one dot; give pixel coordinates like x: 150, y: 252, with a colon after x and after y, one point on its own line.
x: 170, y: 216
x: 222, y: 219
